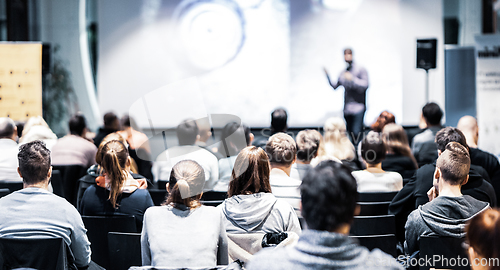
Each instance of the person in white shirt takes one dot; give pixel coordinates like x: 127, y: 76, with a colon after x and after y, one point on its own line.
x: 187, y: 134
x: 374, y: 179
x: 9, y: 150
x: 282, y: 150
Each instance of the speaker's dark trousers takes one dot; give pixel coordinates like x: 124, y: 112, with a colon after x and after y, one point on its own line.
x: 354, y: 126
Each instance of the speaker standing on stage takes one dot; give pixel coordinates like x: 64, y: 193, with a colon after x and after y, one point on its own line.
x: 355, y: 82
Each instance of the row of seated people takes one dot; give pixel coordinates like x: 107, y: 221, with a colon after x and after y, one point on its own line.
x: 183, y: 233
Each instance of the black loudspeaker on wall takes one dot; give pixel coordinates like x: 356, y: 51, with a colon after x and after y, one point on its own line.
x: 426, y: 53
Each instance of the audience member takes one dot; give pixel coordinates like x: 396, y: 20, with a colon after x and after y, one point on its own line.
x: 337, y: 145
x: 483, y: 238
x: 279, y: 118
x: 423, y: 146
x: 205, y: 132
x: 183, y: 233
x: 9, y: 150
x: 251, y: 211
x: 234, y: 138
x: 138, y: 144
x: 374, y: 178
x: 468, y: 125
x: 308, y: 142
x: 414, y: 193
x: 74, y: 149
x: 448, y: 210
x: 121, y: 193
x: 37, y: 129
x: 111, y: 124
x: 187, y: 134
x: 281, y: 150
x: 329, y: 195
x: 383, y: 119
x: 399, y: 157
x: 35, y: 212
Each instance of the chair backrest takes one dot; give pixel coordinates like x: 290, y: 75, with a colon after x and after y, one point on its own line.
x: 162, y: 184
x: 158, y: 195
x: 374, y: 208
x: 387, y: 242
x: 98, y: 228
x: 373, y: 225
x: 4, y: 192
x: 15, y: 186
x: 213, y: 198
x: 124, y: 250
x: 377, y: 196
x: 36, y: 253
x: 57, y: 183
x: 70, y: 175
x: 83, y: 183
x: 447, y: 247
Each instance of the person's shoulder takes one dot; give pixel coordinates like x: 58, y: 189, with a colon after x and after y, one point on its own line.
x: 271, y: 258
x: 394, y: 175
x: 378, y: 259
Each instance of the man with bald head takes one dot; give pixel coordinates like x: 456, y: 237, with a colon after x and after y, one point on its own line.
x: 9, y: 150
x: 468, y: 125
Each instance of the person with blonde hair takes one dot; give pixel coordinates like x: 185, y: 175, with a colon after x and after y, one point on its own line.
x: 182, y: 233
x: 337, y: 145
x: 37, y: 129
x: 399, y: 157
x: 122, y: 193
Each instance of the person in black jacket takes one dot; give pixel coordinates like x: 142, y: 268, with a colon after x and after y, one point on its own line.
x: 414, y: 193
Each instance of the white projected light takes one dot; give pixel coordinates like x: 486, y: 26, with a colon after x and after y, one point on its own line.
x: 210, y: 34
x: 341, y: 5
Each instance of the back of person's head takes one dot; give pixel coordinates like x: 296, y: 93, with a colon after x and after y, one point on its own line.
x: 125, y: 121
x: 281, y: 149
x: 396, y: 141
x: 110, y: 137
x: 447, y: 135
x: 34, y: 162
x: 432, y: 113
x: 204, y: 129
x: 329, y: 194
x: 347, y: 51
x: 454, y: 163
x: 77, y: 124
x: 483, y: 236
x: 186, y: 183
x: 234, y: 137
x: 250, y: 172
x: 279, y: 118
x: 308, y: 142
x: 114, y: 160
x: 7, y: 127
x: 373, y: 148
x: 336, y: 142
x: 383, y: 119
x: 111, y: 121
x: 187, y: 132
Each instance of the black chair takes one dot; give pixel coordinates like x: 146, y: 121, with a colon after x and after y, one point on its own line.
x: 376, y: 196
x: 4, y: 192
x: 98, y: 228
x: 12, y: 186
x: 387, y: 242
x: 374, y: 208
x: 70, y: 175
x: 373, y: 225
x: 447, y: 247
x: 162, y: 184
x: 57, y: 183
x: 83, y: 183
x: 36, y: 253
x: 213, y: 198
x: 124, y: 250
x: 158, y: 196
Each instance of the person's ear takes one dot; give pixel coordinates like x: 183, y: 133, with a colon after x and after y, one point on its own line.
x: 198, y: 137
x: 19, y: 172
x: 168, y: 187
x: 129, y: 162
x: 357, y: 210
x: 252, y: 137
x: 437, y: 175
x: 49, y: 174
x: 466, y: 180
x: 439, y: 152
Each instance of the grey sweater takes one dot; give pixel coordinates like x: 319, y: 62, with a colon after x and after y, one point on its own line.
x: 177, y: 238
x: 443, y: 216
x: 322, y: 250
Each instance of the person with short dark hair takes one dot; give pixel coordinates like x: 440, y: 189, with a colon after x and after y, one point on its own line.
x: 483, y: 238
x: 74, y: 149
x: 448, y: 210
x: 423, y: 146
x: 374, y: 178
x: 279, y: 119
x: 281, y: 150
x: 308, y: 143
x: 187, y: 133
x: 35, y: 212
x: 111, y: 124
x: 329, y: 195
x: 9, y: 150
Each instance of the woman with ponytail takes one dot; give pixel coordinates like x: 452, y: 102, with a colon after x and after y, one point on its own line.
x: 121, y: 192
x: 182, y: 233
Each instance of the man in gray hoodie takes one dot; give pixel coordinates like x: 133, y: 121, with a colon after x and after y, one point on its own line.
x: 448, y: 210
x: 329, y: 194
